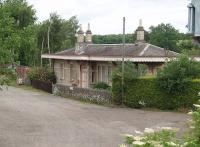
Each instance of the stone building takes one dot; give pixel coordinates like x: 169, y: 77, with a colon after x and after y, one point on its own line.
x: 194, y: 19
x: 88, y: 63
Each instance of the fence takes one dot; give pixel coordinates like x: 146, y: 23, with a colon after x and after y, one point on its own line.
x: 45, y: 86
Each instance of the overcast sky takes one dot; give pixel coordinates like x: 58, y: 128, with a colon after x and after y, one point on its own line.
x: 105, y: 16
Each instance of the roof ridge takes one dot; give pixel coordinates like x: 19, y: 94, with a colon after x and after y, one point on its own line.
x: 142, y: 52
x: 114, y: 44
x: 64, y: 51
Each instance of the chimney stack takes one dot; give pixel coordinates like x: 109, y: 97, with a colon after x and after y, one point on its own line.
x: 140, y: 32
x: 80, y: 35
x: 88, y: 38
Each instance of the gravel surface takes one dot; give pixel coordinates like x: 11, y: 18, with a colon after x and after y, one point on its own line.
x: 37, y: 119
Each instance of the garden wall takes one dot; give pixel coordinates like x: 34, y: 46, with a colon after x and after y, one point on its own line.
x: 99, y: 96
x: 145, y: 93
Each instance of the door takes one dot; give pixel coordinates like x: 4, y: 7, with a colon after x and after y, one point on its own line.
x: 84, y: 76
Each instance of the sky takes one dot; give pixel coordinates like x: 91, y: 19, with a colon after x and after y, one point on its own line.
x: 106, y: 16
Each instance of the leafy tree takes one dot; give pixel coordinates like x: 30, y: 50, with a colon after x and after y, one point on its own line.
x: 188, y: 47
x: 165, y: 36
x: 175, y: 74
x: 61, y: 33
x: 112, y: 39
x: 16, y: 17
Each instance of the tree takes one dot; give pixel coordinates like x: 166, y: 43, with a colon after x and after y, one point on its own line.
x: 112, y: 39
x: 61, y: 33
x: 174, y: 77
x: 188, y: 47
x: 165, y: 36
x: 16, y: 17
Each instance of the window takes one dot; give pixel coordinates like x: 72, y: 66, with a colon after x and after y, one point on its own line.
x: 99, y: 74
x: 73, y: 73
x: 62, y: 71
x: 109, y: 74
x: 93, y: 75
x: 104, y: 73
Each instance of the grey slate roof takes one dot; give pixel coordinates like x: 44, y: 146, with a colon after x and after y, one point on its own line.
x: 115, y: 50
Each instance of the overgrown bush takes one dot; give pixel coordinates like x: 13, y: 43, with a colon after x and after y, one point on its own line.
x: 142, y: 69
x: 176, y: 74
x: 101, y: 86
x: 4, y: 81
x: 143, y: 92
x: 42, y: 74
x: 9, y: 73
x: 130, y: 73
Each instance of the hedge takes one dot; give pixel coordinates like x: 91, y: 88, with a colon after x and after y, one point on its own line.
x: 145, y: 92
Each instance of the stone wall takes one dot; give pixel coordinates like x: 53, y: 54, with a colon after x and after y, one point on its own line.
x: 99, y: 96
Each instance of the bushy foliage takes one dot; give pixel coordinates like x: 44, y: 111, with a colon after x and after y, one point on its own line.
x: 3, y: 81
x: 42, y: 74
x: 164, y: 35
x: 144, y: 92
x: 142, y: 69
x: 175, y: 75
x: 101, y: 86
x: 7, y: 75
x: 130, y: 72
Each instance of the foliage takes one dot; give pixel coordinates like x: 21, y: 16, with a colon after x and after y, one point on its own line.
x: 130, y: 72
x: 16, y: 17
x: 188, y: 47
x: 3, y: 81
x: 144, y: 92
x: 8, y: 73
x: 165, y: 36
x: 166, y: 136
x: 101, y: 85
x: 112, y: 39
x: 61, y: 33
x: 42, y: 74
x: 22, y: 39
x: 173, y: 78
x: 162, y: 137
x: 142, y: 69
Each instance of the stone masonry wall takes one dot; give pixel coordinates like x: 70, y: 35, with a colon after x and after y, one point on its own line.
x: 99, y: 96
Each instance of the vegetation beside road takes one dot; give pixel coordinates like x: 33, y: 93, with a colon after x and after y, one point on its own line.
x: 175, y: 86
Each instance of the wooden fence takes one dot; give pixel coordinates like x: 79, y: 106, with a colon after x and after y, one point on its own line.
x: 45, y: 86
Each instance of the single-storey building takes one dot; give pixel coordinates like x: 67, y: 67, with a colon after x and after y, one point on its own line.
x: 88, y: 63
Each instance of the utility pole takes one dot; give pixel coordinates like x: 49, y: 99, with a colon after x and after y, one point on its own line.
x: 123, y: 55
x: 48, y: 45
x: 41, y: 63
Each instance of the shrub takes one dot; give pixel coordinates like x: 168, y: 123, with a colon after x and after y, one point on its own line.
x: 144, y: 92
x: 130, y: 73
x: 9, y: 73
x: 176, y: 74
x: 142, y: 69
x: 42, y: 74
x: 3, y: 81
x: 101, y: 85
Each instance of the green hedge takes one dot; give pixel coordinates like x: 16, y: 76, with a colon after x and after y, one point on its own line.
x: 145, y: 92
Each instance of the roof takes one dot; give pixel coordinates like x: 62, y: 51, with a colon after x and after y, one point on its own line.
x: 139, y: 50
x: 131, y: 50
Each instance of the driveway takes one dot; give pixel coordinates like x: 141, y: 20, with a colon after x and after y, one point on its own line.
x: 37, y: 119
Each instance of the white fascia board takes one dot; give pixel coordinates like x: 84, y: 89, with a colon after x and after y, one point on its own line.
x: 87, y: 58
